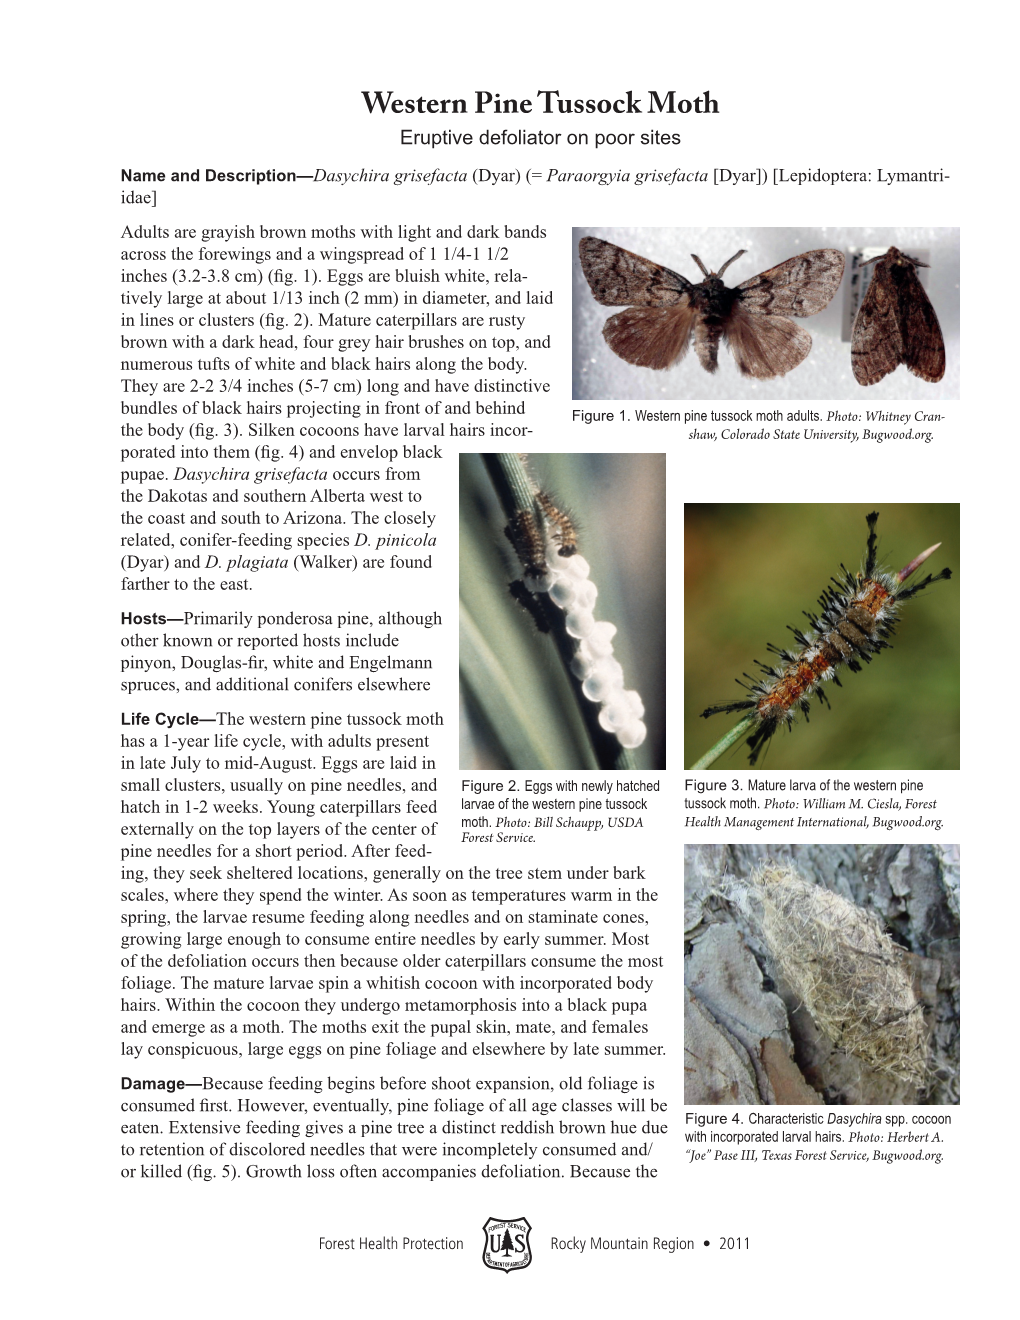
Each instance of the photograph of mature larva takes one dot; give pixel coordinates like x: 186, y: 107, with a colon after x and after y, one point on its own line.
x: 823, y: 975
x: 877, y: 665
x: 562, y: 611
x: 761, y: 313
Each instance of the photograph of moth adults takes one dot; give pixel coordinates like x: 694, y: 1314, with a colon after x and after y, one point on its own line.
x: 766, y: 313
x: 822, y: 975
x: 562, y: 611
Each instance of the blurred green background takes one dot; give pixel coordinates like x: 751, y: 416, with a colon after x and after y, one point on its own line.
x: 751, y: 569
x: 517, y: 708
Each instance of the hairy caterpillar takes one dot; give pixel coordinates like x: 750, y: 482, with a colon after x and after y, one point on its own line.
x: 523, y: 534
x: 563, y: 529
x: 858, y: 615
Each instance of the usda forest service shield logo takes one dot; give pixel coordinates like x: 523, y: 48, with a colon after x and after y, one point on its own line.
x: 506, y: 1244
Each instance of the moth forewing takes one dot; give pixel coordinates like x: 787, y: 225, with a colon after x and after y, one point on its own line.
x: 667, y: 311
x: 618, y: 278
x: 802, y: 286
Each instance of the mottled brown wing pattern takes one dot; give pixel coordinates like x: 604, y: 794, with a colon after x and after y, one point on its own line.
x: 618, y: 278
x: 655, y: 337
x: 801, y: 286
x: 765, y: 346
x: 924, y: 351
x: 896, y: 323
x: 877, y: 344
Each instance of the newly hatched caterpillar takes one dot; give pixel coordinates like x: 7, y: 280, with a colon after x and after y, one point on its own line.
x: 858, y: 615
x: 563, y: 530
x: 523, y: 534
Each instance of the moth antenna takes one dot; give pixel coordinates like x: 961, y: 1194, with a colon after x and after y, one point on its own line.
x: 728, y: 263
x: 701, y: 266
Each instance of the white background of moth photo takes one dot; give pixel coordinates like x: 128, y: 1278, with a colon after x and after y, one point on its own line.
x: 826, y: 373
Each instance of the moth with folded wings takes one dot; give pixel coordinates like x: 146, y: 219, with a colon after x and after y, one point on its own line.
x: 665, y: 312
x: 896, y: 323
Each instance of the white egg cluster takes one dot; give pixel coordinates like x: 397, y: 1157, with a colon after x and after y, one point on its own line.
x: 601, y: 675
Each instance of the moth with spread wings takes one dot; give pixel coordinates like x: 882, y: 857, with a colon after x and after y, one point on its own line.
x: 665, y: 311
